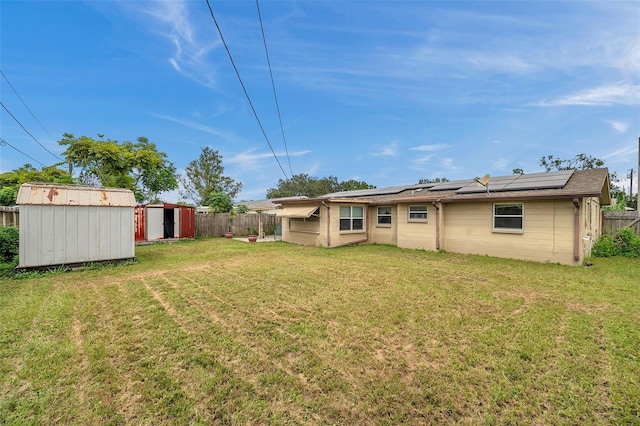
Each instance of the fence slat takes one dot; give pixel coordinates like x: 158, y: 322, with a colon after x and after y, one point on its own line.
x: 614, y: 221
x: 215, y: 225
x: 9, y: 216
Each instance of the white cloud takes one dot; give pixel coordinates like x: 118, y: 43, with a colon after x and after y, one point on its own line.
x: 612, y: 94
x: 171, y: 19
x: 197, y: 126
x: 423, y: 160
x: 620, y: 126
x: 625, y: 154
x: 387, y: 151
x: 431, y: 148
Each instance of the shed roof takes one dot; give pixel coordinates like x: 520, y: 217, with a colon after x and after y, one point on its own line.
x: 69, y: 195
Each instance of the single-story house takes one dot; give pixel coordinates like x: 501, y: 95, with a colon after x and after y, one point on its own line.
x: 549, y: 217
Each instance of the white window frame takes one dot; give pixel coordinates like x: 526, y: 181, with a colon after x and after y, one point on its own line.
x: 351, y: 218
x: 517, y: 230
x: 418, y: 211
x: 385, y: 215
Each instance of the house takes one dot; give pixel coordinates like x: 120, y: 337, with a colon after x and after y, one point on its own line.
x: 548, y: 217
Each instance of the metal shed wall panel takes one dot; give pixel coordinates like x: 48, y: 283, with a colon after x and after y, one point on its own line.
x: 155, y: 223
x: 59, y: 235
x: 187, y: 222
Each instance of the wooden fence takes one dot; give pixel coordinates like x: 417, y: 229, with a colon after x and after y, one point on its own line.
x: 207, y: 225
x: 215, y: 225
x: 9, y: 216
x: 613, y: 221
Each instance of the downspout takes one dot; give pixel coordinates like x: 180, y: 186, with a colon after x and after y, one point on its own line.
x: 328, y: 224
x: 576, y: 230
x: 435, y: 206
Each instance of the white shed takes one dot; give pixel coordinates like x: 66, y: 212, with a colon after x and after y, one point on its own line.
x: 74, y: 225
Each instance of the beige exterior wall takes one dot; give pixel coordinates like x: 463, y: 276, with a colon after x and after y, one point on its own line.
x: 339, y: 238
x: 306, y: 232
x: 416, y: 234
x: 548, y: 233
x: 591, y: 224
x: 383, y: 233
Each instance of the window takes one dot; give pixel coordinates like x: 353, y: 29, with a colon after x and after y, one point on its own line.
x: 351, y: 218
x: 384, y: 215
x: 508, y: 216
x: 417, y: 213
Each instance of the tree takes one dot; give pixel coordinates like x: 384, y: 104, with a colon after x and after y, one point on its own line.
x: 354, y: 185
x: 219, y: 202
x: 436, y: 180
x: 137, y: 166
x: 205, y: 176
x: 517, y: 171
x: 310, y: 186
x: 579, y: 162
x: 10, y: 181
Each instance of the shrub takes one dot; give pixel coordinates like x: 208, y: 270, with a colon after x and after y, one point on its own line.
x: 9, y: 243
x: 624, y: 243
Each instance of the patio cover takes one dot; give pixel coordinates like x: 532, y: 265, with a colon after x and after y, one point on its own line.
x: 297, y: 212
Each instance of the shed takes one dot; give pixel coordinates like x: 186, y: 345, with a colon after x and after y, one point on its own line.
x: 155, y: 222
x: 64, y: 225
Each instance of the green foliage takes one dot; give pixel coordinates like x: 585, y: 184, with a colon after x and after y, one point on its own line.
x: 10, y: 181
x: 242, y: 208
x: 8, y: 196
x: 137, y: 166
x: 435, y: 180
x: 310, y: 186
x: 624, y: 243
x: 219, y: 202
x: 9, y: 240
x: 205, y: 176
x: 579, y: 162
x: 354, y: 185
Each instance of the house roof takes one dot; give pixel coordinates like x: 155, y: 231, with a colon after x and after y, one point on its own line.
x: 70, y: 195
x: 269, y: 205
x: 550, y: 185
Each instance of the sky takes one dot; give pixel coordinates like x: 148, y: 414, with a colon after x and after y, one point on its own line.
x: 386, y: 92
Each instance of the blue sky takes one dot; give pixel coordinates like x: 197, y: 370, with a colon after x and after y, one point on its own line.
x: 382, y: 91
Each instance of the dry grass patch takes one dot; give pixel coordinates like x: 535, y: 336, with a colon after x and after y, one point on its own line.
x: 223, y: 332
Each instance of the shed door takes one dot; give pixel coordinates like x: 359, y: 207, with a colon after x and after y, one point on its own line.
x: 187, y: 222
x: 155, y: 219
x: 169, y: 223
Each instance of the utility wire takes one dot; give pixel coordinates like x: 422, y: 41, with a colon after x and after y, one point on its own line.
x: 273, y: 85
x: 32, y: 137
x: 3, y: 143
x: 255, y: 114
x: 24, y: 103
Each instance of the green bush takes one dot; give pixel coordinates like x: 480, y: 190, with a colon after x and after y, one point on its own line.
x: 9, y: 243
x: 624, y: 243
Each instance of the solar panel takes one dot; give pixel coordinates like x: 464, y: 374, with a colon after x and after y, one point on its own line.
x: 455, y: 184
x: 367, y: 192
x: 549, y: 180
x: 495, y: 184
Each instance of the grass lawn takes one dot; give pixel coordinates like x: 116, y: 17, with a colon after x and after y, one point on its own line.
x: 224, y: 332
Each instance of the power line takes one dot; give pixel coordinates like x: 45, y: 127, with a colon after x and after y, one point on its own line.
x: 24, y: 103
x: 273, y: 85
x: 3, y: 143
x: 255, y: 114
x: 32, y: 137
